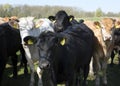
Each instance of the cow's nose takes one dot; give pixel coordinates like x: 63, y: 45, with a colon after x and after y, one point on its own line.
x: 108, y: 38
x: 44, y: 64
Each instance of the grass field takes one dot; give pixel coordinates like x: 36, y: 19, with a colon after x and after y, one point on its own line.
x: 113, y: 75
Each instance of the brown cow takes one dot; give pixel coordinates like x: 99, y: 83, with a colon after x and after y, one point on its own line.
x: 7, y: 19
x: 103, y: 46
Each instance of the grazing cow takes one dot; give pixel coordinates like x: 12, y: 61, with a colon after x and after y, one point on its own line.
x: 28, y: 27
x: 10, y: 43
x: 61, y: 60
x: 104, y: 43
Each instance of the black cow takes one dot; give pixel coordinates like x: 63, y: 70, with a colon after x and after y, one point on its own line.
x: 63, y: 54
x: 62, y: 21
x: 10, y: 43
x: 117, y: 45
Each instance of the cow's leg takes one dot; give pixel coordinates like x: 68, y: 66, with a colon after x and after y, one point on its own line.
x: 85, y: 72
x: 79, y: 76
x: 14, y: 63
x: 91, y: 72
x: 96, y: 68
x: 25, y: 65
x: 2, y: 67
x: 31, y: 64
x: 71, y: 78
x: 24, y: 60
x: 39, y: 72
x: 112, y: 57
x: 119, y: 56
x: 104, y: 70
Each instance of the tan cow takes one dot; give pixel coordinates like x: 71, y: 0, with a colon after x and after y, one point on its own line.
x: 2, y: 20
x: 12, y: 21
x: 104, y: 42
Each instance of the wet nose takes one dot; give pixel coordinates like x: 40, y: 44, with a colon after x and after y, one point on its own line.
x: 108, y: 38
x: 44, y: 63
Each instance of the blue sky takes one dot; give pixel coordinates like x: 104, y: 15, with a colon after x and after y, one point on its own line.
x: 87, y: 5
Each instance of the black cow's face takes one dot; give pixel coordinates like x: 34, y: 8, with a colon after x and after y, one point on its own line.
x: 45, y: 45
x: 61, y: 21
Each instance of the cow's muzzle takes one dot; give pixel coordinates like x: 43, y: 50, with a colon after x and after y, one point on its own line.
x: 44, y: 63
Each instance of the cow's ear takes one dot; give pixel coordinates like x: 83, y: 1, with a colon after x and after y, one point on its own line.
x: 13, y: 23
x: 51, y: 18
x: 30, y: 40
x: 117, y: 24
x: 97, y: 25
x: 81, y: 21
x: 71, y: 17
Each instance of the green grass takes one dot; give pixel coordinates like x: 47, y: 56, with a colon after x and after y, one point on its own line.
x: 113, y: 75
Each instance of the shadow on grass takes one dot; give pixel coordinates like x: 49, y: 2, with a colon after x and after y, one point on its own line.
x: 113, y: 77
x: 21, y: 80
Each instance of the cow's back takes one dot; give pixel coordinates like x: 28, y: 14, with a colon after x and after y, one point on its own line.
x: 11, y: 38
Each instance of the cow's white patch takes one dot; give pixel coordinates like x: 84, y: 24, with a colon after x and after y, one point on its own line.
x: 106, y: 36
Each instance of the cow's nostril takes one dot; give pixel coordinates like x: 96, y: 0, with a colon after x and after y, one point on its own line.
x: 44, y: 64
x: 48, y: 65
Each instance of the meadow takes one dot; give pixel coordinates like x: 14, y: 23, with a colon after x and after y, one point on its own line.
x: 113, y: 75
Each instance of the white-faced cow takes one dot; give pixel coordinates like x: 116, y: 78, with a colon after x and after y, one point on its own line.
x: 28, y: 27
x: 104, y: 43
x: 10, y: 43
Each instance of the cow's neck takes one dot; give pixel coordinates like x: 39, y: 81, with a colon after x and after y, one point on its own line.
x: 66, y: 25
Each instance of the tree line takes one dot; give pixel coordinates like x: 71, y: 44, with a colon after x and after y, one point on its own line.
x: 8, y: 10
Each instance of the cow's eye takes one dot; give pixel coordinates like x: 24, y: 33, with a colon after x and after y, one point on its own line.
x: 39, y: 47
x: 41, y: 40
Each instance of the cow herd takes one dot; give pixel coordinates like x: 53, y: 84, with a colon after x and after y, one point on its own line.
x: 62, y: 47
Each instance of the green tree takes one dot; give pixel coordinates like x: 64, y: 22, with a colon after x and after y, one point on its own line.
x: 7, y: 9
x: 98, y: 12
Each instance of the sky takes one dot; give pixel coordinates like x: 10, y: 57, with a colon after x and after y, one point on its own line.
x: 86, y: 5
